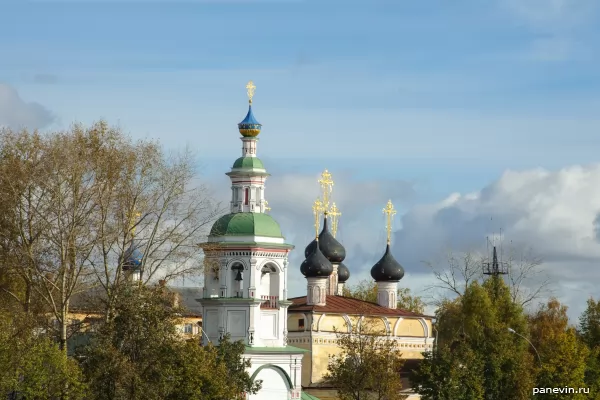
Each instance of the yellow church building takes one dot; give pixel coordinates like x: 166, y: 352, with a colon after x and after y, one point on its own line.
x: 314, y: 320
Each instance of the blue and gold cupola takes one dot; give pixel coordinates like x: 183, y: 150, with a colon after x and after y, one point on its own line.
x: 250, y: 127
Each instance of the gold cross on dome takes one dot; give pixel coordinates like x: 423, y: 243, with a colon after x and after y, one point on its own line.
x: 317, y: 210
x: 389, y: 211
x: 250, y: 87
x: 133, y: 222
x: 326, y: 187
x: 334, y: 212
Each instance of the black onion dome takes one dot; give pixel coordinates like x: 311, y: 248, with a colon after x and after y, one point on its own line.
x: 387, y: 269
x: 331, y: 248
x: 343, y: 273
x: 316, y: 265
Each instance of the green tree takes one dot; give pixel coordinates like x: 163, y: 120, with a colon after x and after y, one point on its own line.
x: 563, y: 355
x: 589, y: 332
x: 367, y: 290
x: 368, y: 366
x: 33, y: 365
x: 139, y: 355
x: 477, y: 357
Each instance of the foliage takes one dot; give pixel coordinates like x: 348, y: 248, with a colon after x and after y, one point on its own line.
x: 33, y: 365
x: 367, y: 290
x: 563, y: 355
x: 139, y: 355
x: 368, y: 366
x: 589, y: 332
x: 477, y: 357
x: 68, y: 210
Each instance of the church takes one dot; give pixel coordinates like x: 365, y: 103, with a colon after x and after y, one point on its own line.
x: 245, y: 293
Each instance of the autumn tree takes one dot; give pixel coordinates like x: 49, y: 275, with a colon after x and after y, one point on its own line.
x: 70, y: 204
x: 526, y: 278
x: 366, y: 290
x: 562, y: 355
x: 368, y: 365
x: 139, y: 355
x: 589, y: 332
x: 476, y: 356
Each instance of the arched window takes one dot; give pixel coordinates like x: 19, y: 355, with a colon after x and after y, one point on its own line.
x: 246, y: 196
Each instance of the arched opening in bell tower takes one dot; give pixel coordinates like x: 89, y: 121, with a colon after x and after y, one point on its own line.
x: 269, y: 285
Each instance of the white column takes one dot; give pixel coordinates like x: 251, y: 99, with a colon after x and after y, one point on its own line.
x: 316, y: 291
x: 332, y: 281
x: 340, y: 289
x: 386, y: 294
x: 249, y: 147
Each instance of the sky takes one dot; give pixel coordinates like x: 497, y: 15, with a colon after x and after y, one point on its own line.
x: 473, y: 117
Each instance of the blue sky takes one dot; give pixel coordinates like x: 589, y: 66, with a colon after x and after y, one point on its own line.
x: 444, y: 96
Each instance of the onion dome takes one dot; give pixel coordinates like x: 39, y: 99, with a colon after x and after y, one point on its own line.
x: 132, y: 258
x: 343, y: 273
x: 387, y: 268
x: 316, y: 265
x: 331, y: 248
x: 249, y: 127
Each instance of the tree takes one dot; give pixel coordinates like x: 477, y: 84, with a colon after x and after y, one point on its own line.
x: 139, y: 355
x: 563, y: 355
x: 526, y: 278
x: 68, y: 211
x: 368, y: 366
x: 367, y: 290
x: 477, y: 357
x: 32, y: 364
x: 589, y: 333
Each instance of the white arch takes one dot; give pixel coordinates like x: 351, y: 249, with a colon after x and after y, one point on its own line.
x: 269, y: 261
x: 425, y: 328
x: 234, y: 261
x: 319, y: 322
x: 396, y: 325
x: 348, y: 323
x: 386, y: 323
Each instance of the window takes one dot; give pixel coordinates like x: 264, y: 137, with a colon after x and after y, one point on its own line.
x: 301, y: 323
x: 188, y: 328
x: 246, y: 196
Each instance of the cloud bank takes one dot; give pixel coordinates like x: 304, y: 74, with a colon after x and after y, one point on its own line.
x: 16, y: 113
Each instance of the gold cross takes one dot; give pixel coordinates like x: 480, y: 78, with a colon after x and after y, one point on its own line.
x: 136, y: 215
x: 317, y: 209
x: 390, y: 212
x: 267, y: 208
x: 334, y: 212
x: 250, y: 86
x: 326, y: 186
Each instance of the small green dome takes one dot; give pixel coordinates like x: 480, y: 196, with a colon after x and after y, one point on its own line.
x: 246, y: 224
x: 248, y: 162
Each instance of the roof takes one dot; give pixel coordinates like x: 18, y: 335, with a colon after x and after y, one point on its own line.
x: 246, y: 224
x: 187, y: 297
x: 248, y: 163
x: 306, y: 396
x: 348, y: 305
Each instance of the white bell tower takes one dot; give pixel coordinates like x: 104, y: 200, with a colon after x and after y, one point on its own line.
x: 245, y: 277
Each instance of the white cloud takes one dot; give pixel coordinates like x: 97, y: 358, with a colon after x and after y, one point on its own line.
x: 17, y: 113
x: 555, y: 212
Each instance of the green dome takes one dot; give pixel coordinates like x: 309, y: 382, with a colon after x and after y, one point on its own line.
x: 246, y: 224
x: 248, y: 162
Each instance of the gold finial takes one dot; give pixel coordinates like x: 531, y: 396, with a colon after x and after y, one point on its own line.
x: 334, y: 212
x: 317, y: 209
x: 133, y: 222
x: 250, y: 87
x: 326, y: 187
x: 390, y: 212
x: 267, y: 208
